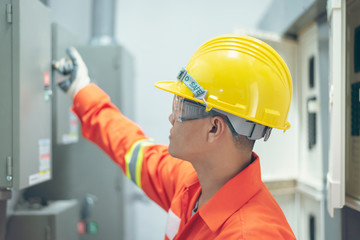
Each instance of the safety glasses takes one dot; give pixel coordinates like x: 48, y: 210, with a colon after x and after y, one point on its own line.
x: 185, y: 109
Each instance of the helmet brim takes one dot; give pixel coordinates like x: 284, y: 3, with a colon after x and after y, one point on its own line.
x: 176, y: 88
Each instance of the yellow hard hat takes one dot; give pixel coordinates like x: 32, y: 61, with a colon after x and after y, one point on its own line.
x: 239, y: 75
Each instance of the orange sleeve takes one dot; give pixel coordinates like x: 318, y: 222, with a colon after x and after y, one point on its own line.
x: 147, y: 164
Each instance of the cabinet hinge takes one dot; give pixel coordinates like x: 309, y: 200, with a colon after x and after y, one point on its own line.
x: 9, y: 169
x: 9, y: 13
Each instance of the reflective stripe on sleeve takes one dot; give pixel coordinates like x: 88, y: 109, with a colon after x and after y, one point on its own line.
x: 134, y: 159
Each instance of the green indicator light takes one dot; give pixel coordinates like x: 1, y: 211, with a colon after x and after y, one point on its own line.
x: 92, y: 227
x: 46, y: 97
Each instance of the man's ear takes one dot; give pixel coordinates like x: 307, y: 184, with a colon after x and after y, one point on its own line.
x: 217, y: 128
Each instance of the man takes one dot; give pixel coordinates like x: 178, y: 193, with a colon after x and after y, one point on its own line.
x: 234, y: 90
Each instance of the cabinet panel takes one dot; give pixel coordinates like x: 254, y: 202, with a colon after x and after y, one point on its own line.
x: 25, y: 75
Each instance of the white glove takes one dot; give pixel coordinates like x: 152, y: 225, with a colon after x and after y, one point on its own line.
x: 76, y: 68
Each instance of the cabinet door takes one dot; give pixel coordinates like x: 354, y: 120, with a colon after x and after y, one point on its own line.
x: 311, y: 118
x: 336, y: 174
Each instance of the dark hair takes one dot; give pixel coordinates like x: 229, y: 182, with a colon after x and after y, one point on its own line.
x: 242, y: 141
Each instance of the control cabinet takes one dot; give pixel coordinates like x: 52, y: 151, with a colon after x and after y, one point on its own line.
x: 81, y: 170
x: 56, y: 221
x: 353, y: 101
x: 25, y: 93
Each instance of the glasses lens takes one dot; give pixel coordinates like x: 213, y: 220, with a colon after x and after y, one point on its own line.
x: 176, y: 109
x: 173, y: 107
x: 185, y: 109
x: 193, y: 110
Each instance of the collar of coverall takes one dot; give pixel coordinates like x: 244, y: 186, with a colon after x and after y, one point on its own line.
x: 232, y: 196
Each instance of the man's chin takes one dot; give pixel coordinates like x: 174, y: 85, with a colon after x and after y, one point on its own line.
x: 171, y: 151
x: 174, y: 153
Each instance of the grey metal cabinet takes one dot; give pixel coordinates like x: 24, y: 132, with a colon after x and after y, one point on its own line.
x: 25, y: 94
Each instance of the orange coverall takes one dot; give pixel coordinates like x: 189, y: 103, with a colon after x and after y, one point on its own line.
x: 242, y: 209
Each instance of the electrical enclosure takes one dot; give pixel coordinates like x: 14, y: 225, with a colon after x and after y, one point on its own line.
x: 81, y: 169
x: 57, y: 221
x: 352, y: 112
x: 25, y: 93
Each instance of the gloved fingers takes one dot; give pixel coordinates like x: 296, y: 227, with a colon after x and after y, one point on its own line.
x: 77, y: 70
x: 63, y: 66
x: 65, y: 85
x: 73, y: 54
x: 76, y: 57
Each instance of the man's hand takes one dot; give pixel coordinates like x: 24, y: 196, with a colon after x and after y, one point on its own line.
x: 77, y: 71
